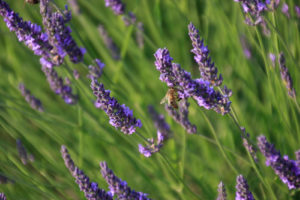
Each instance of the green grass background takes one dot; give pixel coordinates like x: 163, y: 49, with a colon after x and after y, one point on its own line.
x: 201, y: 161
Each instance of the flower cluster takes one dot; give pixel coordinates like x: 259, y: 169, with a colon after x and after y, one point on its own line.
x: 200, y: 90
x: 2, y: 196
x: 285, y: 168
x: 181, y: 116
x: 95, y: 72
x: 163, y: 133
x: 242, y: 189
x: 114, y: 50
x: 29, y: 33
x: 32, y: 100
x: 119, y: 187
x: 90, y: 189
x: 57, y: 85
x: 120, y: 116
x: 254, y: 10
x: 207, y: 68
x: 285, y: 76
x: 23, y: 153
x: 116, y: 5
x: 221, y: 192
x: 59, y: 34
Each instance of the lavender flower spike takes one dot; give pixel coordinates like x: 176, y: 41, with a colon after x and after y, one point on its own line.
x: 221, y: 192
x: 57, y: 85
x: 59, y: 34
x: 22, y: 152
x: 163, y: 133
x: 242, y: 189
x: 90, y: 189
x: 198, y: 89
x: 31, y: 34
x: 181, y: 117
x: 120, y: 116
x: 286, y: 169
x: 2, y: 196
x: 285, y: 10
x: 95, y: 72
x: 285, y: 76
x: 118, y: 187
x: 207, y: 68
x: 32, y: 100
x: 116, y: 5
x: 297, y: 10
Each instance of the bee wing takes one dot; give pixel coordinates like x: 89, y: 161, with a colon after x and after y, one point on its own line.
x: 164, y: 100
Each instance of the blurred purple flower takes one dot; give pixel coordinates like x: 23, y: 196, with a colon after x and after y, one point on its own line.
x: 95, y: 72
x: 221, y: 192
x: 298, y: 158
x: 242, y: 189
x: 247, y: 144
x: 90, y: 189
x: 59, y: 34
x: 120, y: 116
x: 74, y: 6
x: 163, y: 133
x: 76, y: 74
x: 285, y: 76
x: 32, y: 100
x: 272, y: 58
x: 2, y: 196
x: 245, y: 46
x: 199, y: 89
x: 286, y: 169
x: 110, y: 44
x: 207, y: 68
x: 119, y: 187
x: 29, y: 33
x: 129, y: 19
x: 272, y: 4
x: 116, y: 5
x: 57, y: 85
x: 285, y: 10
x: 297, y: 10
x: 22, y: 152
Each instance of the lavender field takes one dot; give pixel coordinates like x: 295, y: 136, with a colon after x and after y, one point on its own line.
x: 149, y: 99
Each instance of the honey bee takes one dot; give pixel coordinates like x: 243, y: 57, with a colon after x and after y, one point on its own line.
x: 171, y: 98
x: 32, y: 1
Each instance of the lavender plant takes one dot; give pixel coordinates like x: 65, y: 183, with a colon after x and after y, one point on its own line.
x: 118, y: 187
x: 90, y: 189
x: 285, y: 168
x: 116, y: 5
x: 2, y: 196
x: 285, y: 76
x: 242, y: 189
x: 32, y: 100
x: 221, y: 192
x: 120, y: 116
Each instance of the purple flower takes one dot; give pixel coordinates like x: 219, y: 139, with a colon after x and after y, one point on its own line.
x: 110, y: 44
x: 129, y: 19
x: 57, y: 85
x: 199, y: 89
x: 272, y: 58
x: 285, y: 76
x: 272, y: 4
x: 221, y: 192
x: 207, y: 68
x: 2, y: 196
x: 286, y: 169
x: 245, y: 46
x: 76, y: 74
x: 90, y: 189
x: 242, y: 189
x: 118, y: 187
x: 95, y: 72
x: 74, y: 6
x: 29, y: 33
x: 298, y: 157
x: 116, y: 5
x: 285, y: 10
x: 32, y: 100
x: 120, y: 116
x: 247, y: 144
x: 297, y: 10
x: 253, y: 11
x: 181, y: 117
x: 163, y: 133
x: 59, y: 34
x: 22, y: 152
